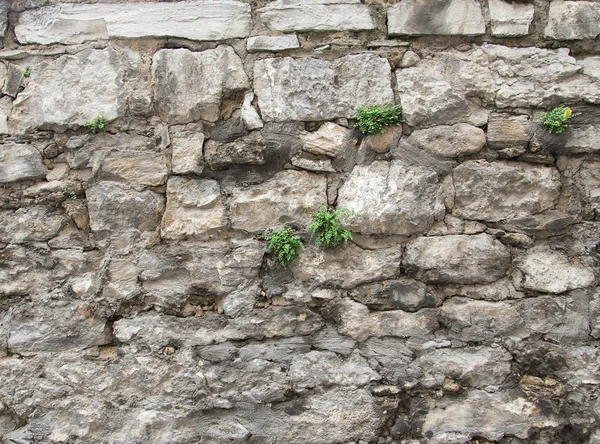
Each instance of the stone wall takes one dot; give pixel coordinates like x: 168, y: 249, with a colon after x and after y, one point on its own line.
x: 138, y: 302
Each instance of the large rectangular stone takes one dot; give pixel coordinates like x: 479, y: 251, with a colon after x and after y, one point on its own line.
x: 78, y: 23
x: 510, y: 19
x: 314, y: 90
x: 568, y: 20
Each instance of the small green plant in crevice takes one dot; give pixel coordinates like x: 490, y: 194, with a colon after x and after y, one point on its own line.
x: 558, y: 119
x: 26, y: 73
x: 70, y: 194
x: 96, y: 125
x: 374, y: 119
x: 284, y: 244
x: 327, y: 227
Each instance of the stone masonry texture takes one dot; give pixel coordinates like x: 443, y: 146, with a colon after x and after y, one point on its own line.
x: 140, y: 302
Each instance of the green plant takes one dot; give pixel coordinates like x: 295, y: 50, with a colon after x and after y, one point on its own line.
x: 557, y: 120
x: 327, y: 226
x: 375, y: 119
x: 70, y: 194
x: 97, y: 124
x: 284, y: 244
x: 26, y: 73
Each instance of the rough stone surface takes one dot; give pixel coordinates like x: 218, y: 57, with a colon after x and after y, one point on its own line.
x: 441, y: 17
x: 77, y: 23
x: 244, y: 150
x: 303, y: 16
x: 187, y: 152
x: 404, y: 294
x: 20, y: 162
x: 508, y: 131
x: 569, y: 20
x: 177, y: 74
x: 313, y: 89
x: 273, y: 43
x: 392, y: 198
x: 503, y: 190
x: 328, y: 140
x: 510, y: 19
x: 457, y: 259
x: 449, y: 141
x: 30, y: 224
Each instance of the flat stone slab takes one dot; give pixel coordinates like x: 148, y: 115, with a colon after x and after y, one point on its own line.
x: 272, y: 43
x: 510, y: 19
x: 306, y: 16
x: 436, y: 17
x: 314, y: 90
x: 20, y: 162
x: 78, y: 23
x: 568, y: 20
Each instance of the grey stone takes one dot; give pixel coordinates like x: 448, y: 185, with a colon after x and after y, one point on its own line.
x: 404, y: 293
x: 312, y: 165
x: 229, y: 130
x: 382, y: 143
x: 411, y: 155
x: 449, y: 141
x: 390, y: 198
x: 249, y: 114
x: 177, y: 74
x: 194, y: 209
x: 117, y: 207
x: 569, y: 20
x: 141, y: 168
x: 439, y: 17
x: 304, y: 16
x: 290, y: 196
x: 390, y: 356
x: 508, y: 131
x: 587, y: 179
x: 549, y: 271
x: 510, y: 19
x: 503, y: 190
x: 70, y: 91
x: 187, y: 152
x: 315, y: 90
x: 20, y: 162
x: 328, y: 140
x: 14, y: 79
x: 459, y: 259
x: 249, y: 150
x: 591, y: 66
x: 78, y: 23
x: 584, y: 139
x: 4, y: 9
x: 346, y: 266
x: 409, y: 59
x: 272, y: 43
x: 30, y: 224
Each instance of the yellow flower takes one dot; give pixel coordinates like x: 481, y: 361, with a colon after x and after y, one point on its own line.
x: 568, y: 113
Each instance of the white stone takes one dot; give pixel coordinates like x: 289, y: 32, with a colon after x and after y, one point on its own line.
x: 315, y: 90
x: 304, y: 16
x: 449, y: 141
x: 78, y: 23
x: 187, y: 152
x: 272, y: 43
x: 510, y: 19
x: 250, y: 116
x: 20, y: 162
x: 423, y: 17
x: 573, y: 20
x: 327, y: 140
x: 591, y: 66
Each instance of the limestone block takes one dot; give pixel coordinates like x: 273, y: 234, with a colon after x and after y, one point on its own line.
x: 4, y: 9
x: 307, y: 16
x: 449, y: 141
x: 346, y: 266
x: 439, y: 17
x: 510, y: 19
x: 20, y: 162
x: 187, y: 152
x: 315, y: 90
x: 503, y: 190
x: 78, y: 23
x: 249, y: 114
x: 117, y: 207
x: 587, y: 179
x: 141, y: 168
x: 591, y: 66
x: 459, y: 259
x: 550, y: 271
x: 249, y: 150
x: 508, y: 131
x: 189, y: 86
x: 404, y: 294
x: 194, y: 209
x: 272, y: 43
x: 71, y: 90
x: 583, y: 139
x: 573, y: 20
x: 328, y: 140
x: 290, y: 196
x: 392, y: 198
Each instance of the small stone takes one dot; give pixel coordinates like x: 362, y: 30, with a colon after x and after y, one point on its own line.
x: 313, y: 165
x: 13, y: 81
x: 518, y: 240
x: 405, y: 294
x: 382, y: 143
x: 328, y: 140
x: 249, y: 150
x: 141, y: 168
x: 583, y: 139
x: 449, y: 141
x: 272, y: 43
x: 508, y: 131
x: 409, y: 59
x: 30, y: 224
x: 510, y: 19
x: 250, y: 116
x: 20, y: 162
x: 187, y: 152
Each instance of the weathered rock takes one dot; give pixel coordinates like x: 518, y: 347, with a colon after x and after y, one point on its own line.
x: 404, y: 293
x: 346, y: 266
x: 507, y: 131
x: 189, y: 86
x: 391, y: 198
x: 14, y: 80
x: 249, y: 114
x: 313, y: 165
x: 390, y: 356
x: 591, y: 66
x: 194, y: 209
x: 588, y: 181
x: 449, y: 141
x: 585, y: 139
x: 503, y: 190
x: 187, y: 152
x: 382, y: 143
x: 510, y: 19
x: 30, y: 224
x: 409, y: 58
x: 141, y: 168
x: 302, y: 16
x: 71, y: 90
x: 4, y: 9
x: 249, y: 150
x: 573, y: 20
x: 314, y: 90
x: 328, y: 140
x: 272, y: 43
x: 290, y: 196
x: 116, y: 207
x: 77, y: 23
x: 550, y: 271
x: 440, y: 17
x: 457, y: 259
x: 20, y: 162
